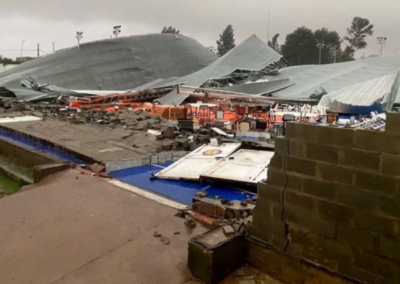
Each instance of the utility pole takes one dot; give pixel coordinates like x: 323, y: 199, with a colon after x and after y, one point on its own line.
x: 269, y: 18
x: 334, y: 50
x: 38, y: 50
x: 320, y: 45
x: 382, y: 42
x: 117, y: 30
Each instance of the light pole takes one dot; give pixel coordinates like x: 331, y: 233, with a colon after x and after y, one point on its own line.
x: 22, y: 47
x: 382, y: 42
x: 117, y: 30
x: 79, y: 36
x: 334, y: 50
x: 320, y: 45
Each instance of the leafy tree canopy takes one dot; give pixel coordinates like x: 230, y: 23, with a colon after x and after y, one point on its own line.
x: 356, y: 34
x: 226, y: 41
x: 170, y: 30
x: 274, y: 43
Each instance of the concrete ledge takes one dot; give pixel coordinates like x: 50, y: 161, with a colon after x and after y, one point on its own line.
x: 21, y: 179
x: 42, y: 171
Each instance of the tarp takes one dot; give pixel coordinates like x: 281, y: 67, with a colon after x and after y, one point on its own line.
x: 115, y: 64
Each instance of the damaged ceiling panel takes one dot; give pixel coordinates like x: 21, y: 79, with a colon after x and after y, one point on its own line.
x: 314, y: 79
x: 252, y: 55
x: 115, y: 64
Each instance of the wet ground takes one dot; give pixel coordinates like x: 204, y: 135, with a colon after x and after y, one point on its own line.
x: 73, y: 228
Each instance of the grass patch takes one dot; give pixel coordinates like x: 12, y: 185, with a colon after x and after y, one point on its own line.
x: 8, y: 185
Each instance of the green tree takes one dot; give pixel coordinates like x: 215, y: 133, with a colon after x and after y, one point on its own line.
x: 7, y: 61
x: 170, y: 30
x: 274, y: 43
x: 331, y: 45
x: 226, y: 41
x: 300, y: 47
x: 356, y: 34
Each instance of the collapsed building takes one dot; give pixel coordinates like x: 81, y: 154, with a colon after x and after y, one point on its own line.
x: 309, y: 209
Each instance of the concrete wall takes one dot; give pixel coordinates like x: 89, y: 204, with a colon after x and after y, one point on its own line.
x: 333, y: 201
x: 25, y: 155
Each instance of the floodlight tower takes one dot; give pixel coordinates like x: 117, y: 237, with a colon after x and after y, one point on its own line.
x: 320, y: 45
x: 117, y: 30
x: 22, y: 47
x: 79, y: 36
x: 382, y: 41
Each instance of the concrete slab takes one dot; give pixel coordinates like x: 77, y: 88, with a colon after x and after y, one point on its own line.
x: 72, y: 228
x: 99, y: 143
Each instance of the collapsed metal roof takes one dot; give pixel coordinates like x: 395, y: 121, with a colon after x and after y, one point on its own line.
x: 252, y: 55
x: 115, y: 64
x: 363, y: 98
x: 260, y: 88
x: 308, y: 79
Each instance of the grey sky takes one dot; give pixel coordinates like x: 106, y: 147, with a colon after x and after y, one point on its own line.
x: 45, y: 21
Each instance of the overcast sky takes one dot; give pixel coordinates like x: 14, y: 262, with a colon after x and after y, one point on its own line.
x: 48, y: 21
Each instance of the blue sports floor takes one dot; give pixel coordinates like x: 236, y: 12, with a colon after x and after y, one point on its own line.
x: 180, y: 191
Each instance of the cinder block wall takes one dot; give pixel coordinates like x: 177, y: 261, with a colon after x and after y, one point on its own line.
x: 332, y: 199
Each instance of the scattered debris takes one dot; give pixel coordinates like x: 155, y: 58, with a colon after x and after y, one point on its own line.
x: 156, y: 234
x: 177, y: 233
x: 97, y: 168
x: 201, y: 194
x: 190, y: 222
x: 228, y: 230
x: 165, y: 240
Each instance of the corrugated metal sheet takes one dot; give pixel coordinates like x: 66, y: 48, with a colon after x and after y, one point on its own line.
x: 115, y: 64
x: 253, y: 55
x: 333, y: 77
x: 371, y: 95
x: 260, y: 88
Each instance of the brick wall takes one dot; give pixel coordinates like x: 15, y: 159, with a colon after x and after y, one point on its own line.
x: 332, y: 199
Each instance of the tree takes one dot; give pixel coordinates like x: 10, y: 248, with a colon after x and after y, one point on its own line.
x: 274, y: 42
x: 170, y: 30
x: 226, y: 41
x: 332, y: 45
x: 359, y: 30
x: 300, y: 47
x: 8, y: 61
